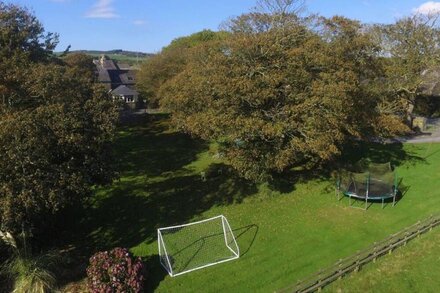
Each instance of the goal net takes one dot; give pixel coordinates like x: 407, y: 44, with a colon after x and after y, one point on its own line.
x: 197, y: 245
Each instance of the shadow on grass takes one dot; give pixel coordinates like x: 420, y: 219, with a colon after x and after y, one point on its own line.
x: 126, y: 219
x: 155, y: 273
x: 378, y: 153
x: 285, y: 182
x: 245, y: 237
x: 155, y: 190
x: 351, y: 154
x: 149, y: 148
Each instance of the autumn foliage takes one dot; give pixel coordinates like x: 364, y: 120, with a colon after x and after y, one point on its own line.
x: 279, y: 95
x: 281, y: 89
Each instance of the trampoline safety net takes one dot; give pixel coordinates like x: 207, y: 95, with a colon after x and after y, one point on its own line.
x: 369, y: 182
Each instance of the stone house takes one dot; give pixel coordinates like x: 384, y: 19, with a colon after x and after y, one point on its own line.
x: 119, y: 79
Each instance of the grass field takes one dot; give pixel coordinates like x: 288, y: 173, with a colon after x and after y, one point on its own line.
x: 132, y: 60
x: 286, y: 229
x: 413, y: 268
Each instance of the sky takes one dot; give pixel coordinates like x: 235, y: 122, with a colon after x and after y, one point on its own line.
x: 149, y: 25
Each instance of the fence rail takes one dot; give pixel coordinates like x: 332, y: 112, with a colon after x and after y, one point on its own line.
x: 354, y: 262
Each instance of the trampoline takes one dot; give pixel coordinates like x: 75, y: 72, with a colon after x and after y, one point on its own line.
x: 377, y: 183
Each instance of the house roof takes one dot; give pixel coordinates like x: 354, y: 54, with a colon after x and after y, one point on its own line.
x: 103, y: 75
x: 123, y: 90
x: 111, y: 73
x: 128, y: 76
x: 118, y: 77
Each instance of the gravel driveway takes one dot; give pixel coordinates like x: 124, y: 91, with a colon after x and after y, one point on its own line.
x: 431, y: 134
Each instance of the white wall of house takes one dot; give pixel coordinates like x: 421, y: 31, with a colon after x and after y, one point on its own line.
x: 127, y: 99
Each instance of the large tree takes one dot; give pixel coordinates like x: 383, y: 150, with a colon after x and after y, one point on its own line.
x: 169, y: 62
x: 22, y: 40
x: 22, y: 35
x: 410, y: 47
x: 56, y: 127
x: 82, y: 62
x: 280, y: 92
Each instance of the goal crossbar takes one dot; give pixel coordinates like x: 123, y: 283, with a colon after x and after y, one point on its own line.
x: 190, y: 224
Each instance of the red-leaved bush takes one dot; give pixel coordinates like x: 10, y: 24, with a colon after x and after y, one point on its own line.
x: 115, y: 271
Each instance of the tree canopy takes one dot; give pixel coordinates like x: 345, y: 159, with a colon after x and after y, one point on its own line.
x: 278, y: 96
x: 81, y: 62
x: 22, y: 35
x: 56, y: 126
x: 169, y: 62
x: 411, y: 47
x: 280, y: 90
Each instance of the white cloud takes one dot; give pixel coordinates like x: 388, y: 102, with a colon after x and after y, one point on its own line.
x: 102, y: 9
x: 139, y: 22
x: 366, y: 3
x: 428, y: 8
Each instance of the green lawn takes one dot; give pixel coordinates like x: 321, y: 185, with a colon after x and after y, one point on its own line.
x: 413, y: 268
x: 286, y: 229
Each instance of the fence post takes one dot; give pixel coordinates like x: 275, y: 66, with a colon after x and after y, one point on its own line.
x: 375, y: 252
x: 390, y: 244
x: 320, y: 281
x: 418, y: 229
x: 357, y: 262
x: 297, y: 287
x: 339, y: 269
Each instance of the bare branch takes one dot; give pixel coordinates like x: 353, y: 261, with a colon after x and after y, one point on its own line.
x: 281, y: 7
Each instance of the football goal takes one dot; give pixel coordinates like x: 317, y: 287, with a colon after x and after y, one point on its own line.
x: 189, y: 247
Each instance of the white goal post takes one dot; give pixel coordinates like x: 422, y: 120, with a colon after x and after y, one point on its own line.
x: 189, y: 247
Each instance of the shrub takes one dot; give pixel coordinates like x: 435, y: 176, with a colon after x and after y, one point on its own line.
x: 31, y: 274
x: 115, y: 271
x: 26, y: 271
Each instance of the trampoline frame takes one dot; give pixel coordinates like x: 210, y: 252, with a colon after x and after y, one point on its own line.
x: 367, y: 197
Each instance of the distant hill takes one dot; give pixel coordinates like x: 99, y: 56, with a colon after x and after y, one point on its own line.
x: 130, y: 57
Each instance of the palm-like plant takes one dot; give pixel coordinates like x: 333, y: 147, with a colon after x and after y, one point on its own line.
x: 30, y: 273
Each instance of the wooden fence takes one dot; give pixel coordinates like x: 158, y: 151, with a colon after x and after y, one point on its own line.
x: 353, y: 263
